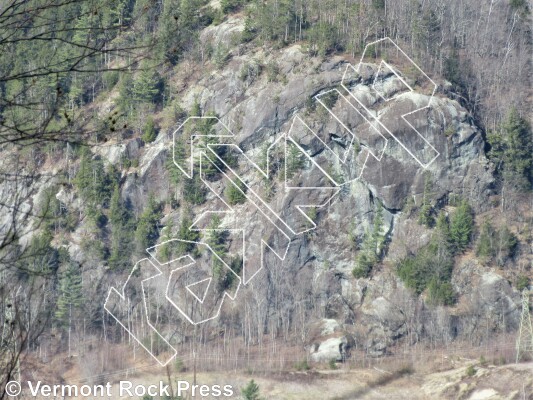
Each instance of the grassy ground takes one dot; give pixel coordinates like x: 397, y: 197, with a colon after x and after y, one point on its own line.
x: 461, y: 374
x: 481, y: 382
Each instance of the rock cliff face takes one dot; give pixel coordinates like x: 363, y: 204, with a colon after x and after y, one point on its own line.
x: 256, y: 109
x: 374, y: 312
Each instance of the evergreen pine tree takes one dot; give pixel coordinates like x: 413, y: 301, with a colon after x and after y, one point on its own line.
x: 101, y: 189
x: 83, y: 178
x: 452, y: 69
x: 372, y: 246
x: 125, y: 90
x: 217, y: 241
x: 443, y: 228
x: 165, y: 250
x: 194, y: 191
x: 210, y: 169
x: 179, y: 155
x: 121, y: 232
x: 378, y: 238
x: 169, y: 33
x: 229, y: 278
x: 441, y: 293
x: 431, y: 268
x: 441, y: 249
x: 146, y: 86
x: 149, y: 132
x: 189, y: 235
x: 235, y: 192
x: 295, y: 160
x: 116, y: 212
x: 461, y: 227
x: 251, y: 391
x: 93, y: 184
x: 147, y: 230
x: 196, y: 111
x: 40, y: 258
x: 70, y: 296
x: 485, y: 243
x: 512, y: 149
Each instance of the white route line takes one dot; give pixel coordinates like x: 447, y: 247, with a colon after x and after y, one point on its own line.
x: 383, y: 62
x: 337, y: 184
x: 122, y: 297
x: 249, y: 189
x: 349, y: 147
x: 357, y: 70
x: 260, y: 204
x: 226, y: 294
x: 189, y: 174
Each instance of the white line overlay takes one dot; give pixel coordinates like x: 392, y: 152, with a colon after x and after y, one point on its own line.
x: 185, y: 279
